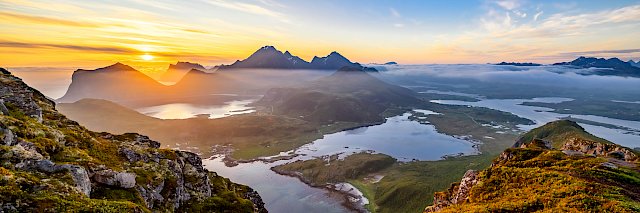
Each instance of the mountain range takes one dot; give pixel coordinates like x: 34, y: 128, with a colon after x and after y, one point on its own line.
x: 348, y: 95
x: 612, y: 66
x: 268, y: 57
x: 175, y: 71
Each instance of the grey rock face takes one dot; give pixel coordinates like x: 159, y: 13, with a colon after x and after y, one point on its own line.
x: 118, y: 179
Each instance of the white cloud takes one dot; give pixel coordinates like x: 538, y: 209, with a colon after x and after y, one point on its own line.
x: 508, y: 4
x: 537, y: 15
x: 398, y: 25
x: 395, y: 13
x: 249, y: 8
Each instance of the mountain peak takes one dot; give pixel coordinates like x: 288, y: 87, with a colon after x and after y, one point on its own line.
x: 186, y: 65
x: 117, y: 67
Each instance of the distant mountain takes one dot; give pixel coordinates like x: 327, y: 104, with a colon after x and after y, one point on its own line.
x: 525, y: 64
x: 199, y: 82
x: 391, y: 63
x: 175, y: 71
x: 116, y: 82
x: 268, y: 57
x: 349, y: 95
x: 612, y: 66
x: 633, y: 63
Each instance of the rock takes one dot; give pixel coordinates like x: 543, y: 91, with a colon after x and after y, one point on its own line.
x: 468, y: 180
x: 8, y: 138
x: 600, y: 149
x: 456, y: 194
x: 3, y: 108
x: 117, y: 179
x: 609, y: 165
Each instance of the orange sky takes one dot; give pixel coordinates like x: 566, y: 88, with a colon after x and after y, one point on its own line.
x: 77, y: 33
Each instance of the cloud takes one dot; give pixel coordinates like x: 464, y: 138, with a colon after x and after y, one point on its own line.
x: 249, y: 8
x: 394, y: 13
x: 508, y: 4
x: 604, y: 51
x: 398, y: 25
x: 43, y: 20
x: 537, y: 15
x: 117, y: 50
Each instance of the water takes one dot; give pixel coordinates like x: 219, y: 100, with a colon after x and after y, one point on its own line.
x: 542, y: 115
x: 398, y: 137
x: 190, y: 110
x: 279, y: 193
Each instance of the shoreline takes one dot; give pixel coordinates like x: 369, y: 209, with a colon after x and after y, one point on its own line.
x: 345, y: 196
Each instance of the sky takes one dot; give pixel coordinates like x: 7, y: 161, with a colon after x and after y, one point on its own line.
x: 79, y: 33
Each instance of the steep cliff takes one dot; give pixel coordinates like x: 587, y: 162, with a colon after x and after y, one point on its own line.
x: 49, y: 163
x: 561, y: 168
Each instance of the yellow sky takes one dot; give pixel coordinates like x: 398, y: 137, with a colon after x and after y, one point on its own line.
x: 77, y: 33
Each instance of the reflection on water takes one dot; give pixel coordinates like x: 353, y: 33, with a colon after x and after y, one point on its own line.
x: 188, y: 110
x: 398, y: 137
x: 542, y: 115
x: 279, y: 193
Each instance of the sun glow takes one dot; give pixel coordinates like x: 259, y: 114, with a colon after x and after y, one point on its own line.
x: 146, y: 57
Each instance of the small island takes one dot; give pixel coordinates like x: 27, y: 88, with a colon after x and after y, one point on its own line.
x: 525, y: 64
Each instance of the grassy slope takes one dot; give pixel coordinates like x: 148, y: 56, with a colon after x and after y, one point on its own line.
x: 541, y: 179
x: 554, y: 182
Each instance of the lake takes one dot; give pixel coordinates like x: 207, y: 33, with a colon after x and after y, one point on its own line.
x: 542, y: 115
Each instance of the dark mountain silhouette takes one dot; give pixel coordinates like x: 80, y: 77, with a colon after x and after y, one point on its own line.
x: 612, y: 66
x: 268, y: 57
x: 349, y: 95
x: 175, y: 71
x: 525, y: 64
x: 633, y: 63
x: 116, y: 82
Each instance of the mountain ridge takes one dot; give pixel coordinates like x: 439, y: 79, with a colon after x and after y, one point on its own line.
x: 268, y: 57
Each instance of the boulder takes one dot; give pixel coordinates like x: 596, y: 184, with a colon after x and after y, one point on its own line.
x: 118, y: 179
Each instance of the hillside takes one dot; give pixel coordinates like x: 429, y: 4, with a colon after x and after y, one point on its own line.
x: 555, y: 168
x: 51, y: 164
x: 348, y: 95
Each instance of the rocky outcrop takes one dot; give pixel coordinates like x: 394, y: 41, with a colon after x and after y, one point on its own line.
x: 52, y: 164
x: 600, y: 149
x: 457, y: 193
x: 116, y: 179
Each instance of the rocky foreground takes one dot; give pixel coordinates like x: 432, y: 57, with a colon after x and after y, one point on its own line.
x: 554, y: 168
x: 49, y: 163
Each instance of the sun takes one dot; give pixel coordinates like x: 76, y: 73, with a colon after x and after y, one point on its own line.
x: 146, y: 57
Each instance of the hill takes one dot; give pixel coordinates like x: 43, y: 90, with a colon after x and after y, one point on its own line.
x: 52, y: 164
x: 348, y: 95
x: 555, y: 168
